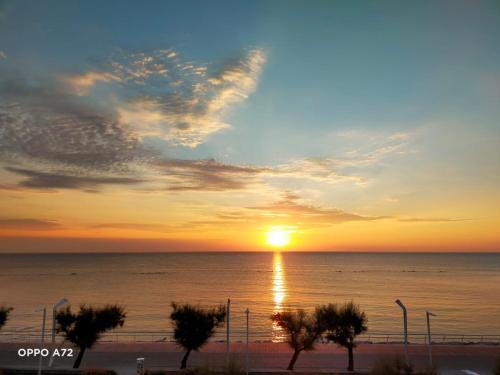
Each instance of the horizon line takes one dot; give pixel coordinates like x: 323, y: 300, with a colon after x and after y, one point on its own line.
x: 399, y: 252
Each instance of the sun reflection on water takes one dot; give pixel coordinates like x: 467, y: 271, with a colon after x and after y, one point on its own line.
x: 279, y: 294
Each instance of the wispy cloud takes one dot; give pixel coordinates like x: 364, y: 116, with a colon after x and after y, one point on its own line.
x: 194, y: 106
x: 430, y: 220
x: 29, y: 224
x: 356, y: 153
x: 43, y: 180
x: 208, y: 175
x: 290, y: 210
x: 320, y: 169
x: 291, y: 206
x: 10, y: 187
x: 134, y: 226
x: 3, y: 55
x: 160, y: 68
x: 81, y: 84
x: 64, y: 124
x: 41, y: 123
x: 91, y: 140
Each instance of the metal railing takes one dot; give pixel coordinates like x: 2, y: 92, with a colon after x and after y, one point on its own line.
x: 239, y: 336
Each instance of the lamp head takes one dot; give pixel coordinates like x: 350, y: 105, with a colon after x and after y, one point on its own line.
x: 60, y: 303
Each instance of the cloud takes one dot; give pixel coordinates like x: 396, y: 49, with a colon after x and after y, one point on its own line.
x: 318, y: 169
x: 193, y: 102
x: 40, y: 123
x: 208, y: 175
x: 81, y: 84
x: 156, y: 68
x: 2, y: 55
x: 365, y: 148
x: 10, y: 187
x: 211, y: 175
x: 29, y: 224
x: 356, y: 155
x: 430, y: 220
x: 62, y: 123
x: 133, y: 226
x: 290, y: 206
x: 45, y: 127
x: 43, y: 180
x: 289, y: 210
x: 162, y: 175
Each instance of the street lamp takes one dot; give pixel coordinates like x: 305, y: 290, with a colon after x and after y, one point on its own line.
x: 405, y: 322
x: 428, y: 315
x: 42, y: 340
x: 54, y: 313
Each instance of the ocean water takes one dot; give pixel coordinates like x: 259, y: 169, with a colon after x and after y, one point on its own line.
x: 463, y: 290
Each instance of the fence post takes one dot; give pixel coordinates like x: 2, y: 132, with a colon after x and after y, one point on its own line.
x: 247, y: 312
x: 228, y: 322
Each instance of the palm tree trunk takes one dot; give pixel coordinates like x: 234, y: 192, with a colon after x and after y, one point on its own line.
x: 351, y: 358
x: 79, y: 358
x: 294, y: 359
x: 184, y: 359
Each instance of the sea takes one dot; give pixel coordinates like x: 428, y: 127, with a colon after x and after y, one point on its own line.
x: 462, y: 290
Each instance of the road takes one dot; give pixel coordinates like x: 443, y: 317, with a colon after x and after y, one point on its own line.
x: 265, y: 356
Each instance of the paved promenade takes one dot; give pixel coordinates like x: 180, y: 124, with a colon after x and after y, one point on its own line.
x: 267, y: 356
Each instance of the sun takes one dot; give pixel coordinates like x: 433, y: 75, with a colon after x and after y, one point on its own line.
x: 278, y: 236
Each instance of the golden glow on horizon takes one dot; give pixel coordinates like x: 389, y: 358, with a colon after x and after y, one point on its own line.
x: 113, y: 221
x: 278, y: 237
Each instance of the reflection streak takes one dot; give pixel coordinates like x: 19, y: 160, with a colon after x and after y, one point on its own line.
x: 279, y: 294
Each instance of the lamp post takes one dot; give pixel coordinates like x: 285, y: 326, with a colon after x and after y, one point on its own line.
x: 428, y: 315
x: 405, y: 323
x: 42, y: 340
x: 54, y: 313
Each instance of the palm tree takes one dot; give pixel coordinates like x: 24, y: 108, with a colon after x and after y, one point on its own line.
x: 84, y: 328
x: 343, y: 324
x: 193, y: 326
x: 302, y: 330
x: 4, y: 315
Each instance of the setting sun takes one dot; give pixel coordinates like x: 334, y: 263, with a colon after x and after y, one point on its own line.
x: 278, y: 236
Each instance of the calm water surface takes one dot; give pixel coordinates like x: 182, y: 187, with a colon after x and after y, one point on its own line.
x: 462, y: 289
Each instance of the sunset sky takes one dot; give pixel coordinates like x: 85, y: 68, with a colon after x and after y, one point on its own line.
x: 191, y: 126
